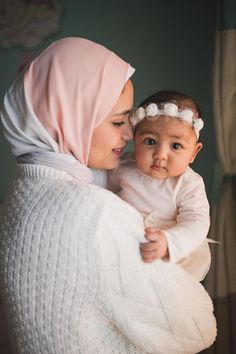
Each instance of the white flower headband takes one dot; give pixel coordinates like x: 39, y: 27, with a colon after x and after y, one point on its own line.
x: 168, y: 109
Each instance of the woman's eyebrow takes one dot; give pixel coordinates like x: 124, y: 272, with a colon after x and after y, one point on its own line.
x: 123, y: 113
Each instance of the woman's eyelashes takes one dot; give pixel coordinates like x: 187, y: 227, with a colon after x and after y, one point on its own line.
x: 124, y: 120
x: 118, y: 124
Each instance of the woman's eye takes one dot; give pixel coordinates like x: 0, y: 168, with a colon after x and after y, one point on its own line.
x: 118, y: 124
x: 176, y: 146
x: 149, y: 141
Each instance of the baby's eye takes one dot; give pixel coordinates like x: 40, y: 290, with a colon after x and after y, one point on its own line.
x: 149, y: 141
x: 176, y: 146
x: 118, y: 124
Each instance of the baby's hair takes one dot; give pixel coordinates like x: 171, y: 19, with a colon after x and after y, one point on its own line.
x: 179, y: 98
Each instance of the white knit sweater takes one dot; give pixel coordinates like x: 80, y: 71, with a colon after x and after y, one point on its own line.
x: 73, y: 281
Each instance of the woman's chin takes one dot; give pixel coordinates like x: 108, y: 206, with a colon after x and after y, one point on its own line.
x: 107, y: 165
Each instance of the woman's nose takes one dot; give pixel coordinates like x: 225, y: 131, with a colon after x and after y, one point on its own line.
x: 128, y: 132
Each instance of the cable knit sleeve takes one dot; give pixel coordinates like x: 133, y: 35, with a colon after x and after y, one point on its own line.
x: 160, y: 308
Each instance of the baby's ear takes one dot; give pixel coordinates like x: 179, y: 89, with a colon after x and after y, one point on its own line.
x: 197, y: 148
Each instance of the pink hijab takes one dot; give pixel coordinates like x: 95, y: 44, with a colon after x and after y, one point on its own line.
x: 66, y: 92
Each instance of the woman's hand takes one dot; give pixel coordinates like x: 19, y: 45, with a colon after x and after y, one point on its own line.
x: 156, y: 248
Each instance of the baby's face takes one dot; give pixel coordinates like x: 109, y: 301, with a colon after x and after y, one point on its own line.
x: 164, y: 147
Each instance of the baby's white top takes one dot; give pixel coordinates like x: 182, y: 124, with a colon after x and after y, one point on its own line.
x: 177, y: 204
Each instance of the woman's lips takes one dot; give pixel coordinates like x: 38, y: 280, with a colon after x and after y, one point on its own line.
x: 118, y: 151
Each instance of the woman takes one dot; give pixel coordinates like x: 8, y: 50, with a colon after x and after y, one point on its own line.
x: 71, y: 274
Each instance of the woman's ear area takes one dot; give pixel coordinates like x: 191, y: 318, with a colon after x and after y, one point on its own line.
x: 197, y: 148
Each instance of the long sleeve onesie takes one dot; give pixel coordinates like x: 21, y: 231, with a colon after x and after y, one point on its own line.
x: 178, y: 205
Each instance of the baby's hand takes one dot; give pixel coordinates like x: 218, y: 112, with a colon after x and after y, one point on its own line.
x: 156, y: 248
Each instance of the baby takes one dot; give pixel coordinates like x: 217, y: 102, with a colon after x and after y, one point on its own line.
x: 158, y: 181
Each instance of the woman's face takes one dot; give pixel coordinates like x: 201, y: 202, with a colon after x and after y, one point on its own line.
x: 111, y: 136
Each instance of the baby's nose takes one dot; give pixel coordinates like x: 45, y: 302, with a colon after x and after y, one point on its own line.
x: 160, y: 153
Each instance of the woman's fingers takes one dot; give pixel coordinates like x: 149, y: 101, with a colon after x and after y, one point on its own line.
x: 149, y: 246
x: 149, y: 251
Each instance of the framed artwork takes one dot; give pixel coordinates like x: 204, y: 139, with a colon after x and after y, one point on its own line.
x: 25, y: 23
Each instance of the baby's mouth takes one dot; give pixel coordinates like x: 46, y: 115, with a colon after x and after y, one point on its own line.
x: 158, y: 167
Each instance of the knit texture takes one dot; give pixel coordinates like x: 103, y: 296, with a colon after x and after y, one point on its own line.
x: 73, y: 281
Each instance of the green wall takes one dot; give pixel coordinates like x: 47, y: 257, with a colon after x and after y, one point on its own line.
x: 170, y: 43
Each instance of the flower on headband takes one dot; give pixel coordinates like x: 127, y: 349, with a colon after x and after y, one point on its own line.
x: 170, y: 109
x: 151, y: 110
x: 140, y: 113
x: 187, y: 115
x: 198, y: 124
x: 137, y: 116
